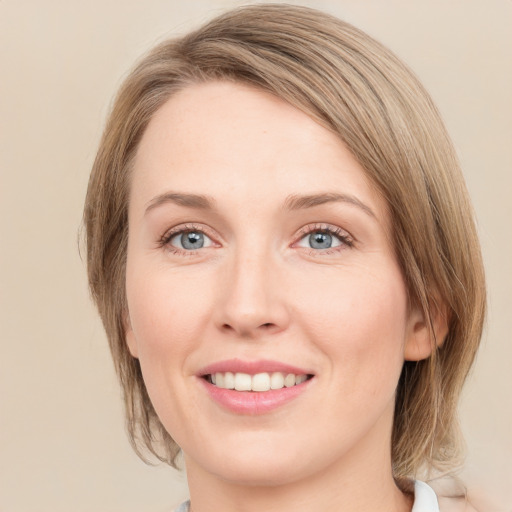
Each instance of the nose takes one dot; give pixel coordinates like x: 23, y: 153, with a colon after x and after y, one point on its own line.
x: 252, y: 300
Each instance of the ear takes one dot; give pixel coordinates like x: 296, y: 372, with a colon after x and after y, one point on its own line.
x: 130, y: 339
x: 422, y: 338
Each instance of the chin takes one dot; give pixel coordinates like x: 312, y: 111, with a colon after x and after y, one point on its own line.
x: 258, y: 466
x: 260, y: 473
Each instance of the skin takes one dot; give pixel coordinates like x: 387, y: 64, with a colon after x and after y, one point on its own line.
x: 258, y: 290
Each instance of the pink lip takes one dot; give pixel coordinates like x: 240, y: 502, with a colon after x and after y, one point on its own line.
x: 252, y: 402
x: 251, y: 367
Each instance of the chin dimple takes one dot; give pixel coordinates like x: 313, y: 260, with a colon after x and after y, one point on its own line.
x: 259, y: 382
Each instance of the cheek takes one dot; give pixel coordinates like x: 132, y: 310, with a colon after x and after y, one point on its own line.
x: 358, y: 319
x: 166, y: 311
x: 167, y: 316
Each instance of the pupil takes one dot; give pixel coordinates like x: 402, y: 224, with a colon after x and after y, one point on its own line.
x: 320, y: 240
x: 192, y: 240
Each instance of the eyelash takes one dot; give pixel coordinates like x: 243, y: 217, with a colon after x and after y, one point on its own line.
x: 187, y: 228
x: 343, y: 236
x: 346, y: 240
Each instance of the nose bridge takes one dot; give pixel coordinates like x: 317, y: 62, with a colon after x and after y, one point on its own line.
x: 252, y: 300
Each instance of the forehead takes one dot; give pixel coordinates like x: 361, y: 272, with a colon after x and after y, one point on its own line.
x: 237, y: 142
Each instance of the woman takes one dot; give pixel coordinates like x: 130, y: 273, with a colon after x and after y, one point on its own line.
x: 282, y: 250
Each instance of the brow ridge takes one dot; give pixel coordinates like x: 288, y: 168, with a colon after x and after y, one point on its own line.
x: 300, y: 202
x: 292, y: 202
x: 198, y: 201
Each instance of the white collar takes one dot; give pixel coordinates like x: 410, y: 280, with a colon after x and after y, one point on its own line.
x: 425, y: 499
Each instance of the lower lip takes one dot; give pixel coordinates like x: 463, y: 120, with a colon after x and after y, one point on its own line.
x: 254, y: 402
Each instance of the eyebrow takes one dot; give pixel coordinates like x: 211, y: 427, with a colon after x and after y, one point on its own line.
x: 197, y: 201
x: 299, y: 202
x: 292, y: 202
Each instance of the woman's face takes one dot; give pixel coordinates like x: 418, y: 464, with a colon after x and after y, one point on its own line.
x: 260, y: 256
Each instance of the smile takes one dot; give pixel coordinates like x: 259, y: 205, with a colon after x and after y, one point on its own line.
x: 259, y: 382
x: 254, y: 387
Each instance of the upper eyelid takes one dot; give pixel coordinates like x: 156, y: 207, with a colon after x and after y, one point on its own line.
x: 319, y: 226
x: 183, y: 228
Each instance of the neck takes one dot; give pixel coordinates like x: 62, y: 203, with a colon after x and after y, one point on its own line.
x: 361, y: 482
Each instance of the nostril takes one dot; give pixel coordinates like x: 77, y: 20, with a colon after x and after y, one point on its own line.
x: 249, y: 328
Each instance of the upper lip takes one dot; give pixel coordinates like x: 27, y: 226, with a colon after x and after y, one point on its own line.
x: 251, y: 367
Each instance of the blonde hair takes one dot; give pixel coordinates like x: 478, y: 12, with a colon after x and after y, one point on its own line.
x: 357, y: 88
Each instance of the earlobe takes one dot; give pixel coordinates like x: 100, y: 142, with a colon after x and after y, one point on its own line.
x: 131, y: 342
x: 423, y: 338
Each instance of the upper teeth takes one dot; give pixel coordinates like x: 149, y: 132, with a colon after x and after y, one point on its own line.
x: 258, y: 382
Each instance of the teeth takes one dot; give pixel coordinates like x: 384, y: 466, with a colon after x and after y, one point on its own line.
x: 229, y: 380
x: 259, y: 382
x: 289, y: 380
x: 242, y: 382
x: 300, y: 379
x: 276, y: 380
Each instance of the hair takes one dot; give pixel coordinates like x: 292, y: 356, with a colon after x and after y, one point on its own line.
x: 357, y: 88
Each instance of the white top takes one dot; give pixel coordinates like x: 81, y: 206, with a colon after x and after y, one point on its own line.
x: 425, y: 499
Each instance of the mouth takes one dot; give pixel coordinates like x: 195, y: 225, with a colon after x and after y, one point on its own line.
x: 254, y: 387
x: 259, y: 382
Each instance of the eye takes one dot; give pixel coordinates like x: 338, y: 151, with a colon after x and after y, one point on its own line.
x: 322, y: 238
x: 189, y: 240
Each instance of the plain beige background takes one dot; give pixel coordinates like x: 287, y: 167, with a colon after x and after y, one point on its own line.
x: 62, y: 441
